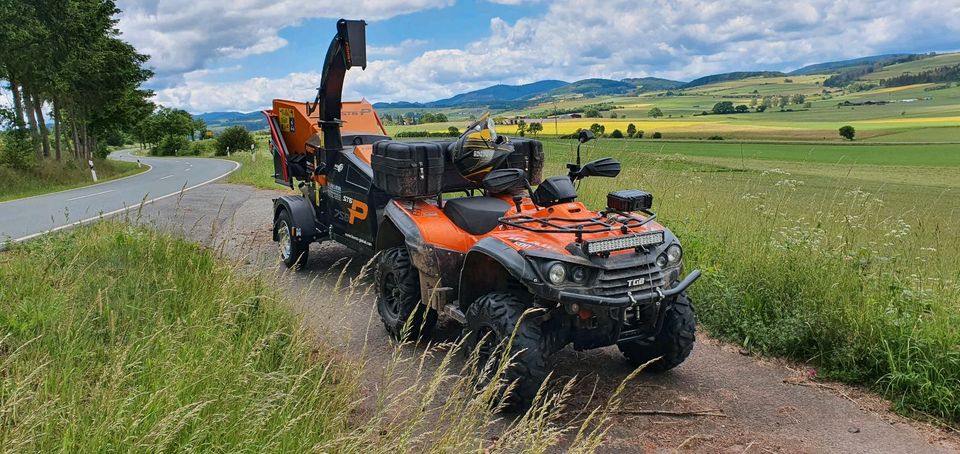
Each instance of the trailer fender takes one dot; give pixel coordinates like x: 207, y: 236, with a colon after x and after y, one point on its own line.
x: 302, y: 213
x: 490, y: 265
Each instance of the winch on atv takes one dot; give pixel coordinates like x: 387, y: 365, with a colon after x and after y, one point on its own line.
x: 457, y: 228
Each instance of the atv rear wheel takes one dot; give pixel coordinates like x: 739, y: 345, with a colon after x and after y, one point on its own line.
x: 673, y: 344
x: 293, y: 252
x: 398, y: 297
x: 490, y: 323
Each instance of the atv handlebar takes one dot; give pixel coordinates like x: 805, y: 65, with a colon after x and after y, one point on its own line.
x: 631, y: 300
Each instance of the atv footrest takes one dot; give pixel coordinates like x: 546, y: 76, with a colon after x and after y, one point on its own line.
x: 453, y: 311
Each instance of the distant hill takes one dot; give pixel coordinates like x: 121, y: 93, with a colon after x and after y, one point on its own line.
x: 591, y: 88
x: 726, y: 77
x: 398, y: 105
x: 253, y: 121
x: 836, y: 66
x: 500, y: 93
x: 508, y: 96
x: 645, y: 84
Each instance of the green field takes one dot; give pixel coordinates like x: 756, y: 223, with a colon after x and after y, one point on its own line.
x: 840, y: 256
x: 921, y: 113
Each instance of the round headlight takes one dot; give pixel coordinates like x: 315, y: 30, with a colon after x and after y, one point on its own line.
x: 674, y: 254
x: 557, y: 273
x: 662, y: 261
x: 579, y: 275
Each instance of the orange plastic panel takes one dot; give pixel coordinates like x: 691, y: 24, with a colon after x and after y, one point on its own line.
x: 297, y: 127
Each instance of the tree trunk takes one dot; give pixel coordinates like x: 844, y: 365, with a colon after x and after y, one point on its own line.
x: 76, y: 137
x: 17, y: 102
x: 86, y: 140
x: 32, y: 120
x: 56, y: 127
x: 42, y: 123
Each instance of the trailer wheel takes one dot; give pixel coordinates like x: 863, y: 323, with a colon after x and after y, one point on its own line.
x: 673, y: 344
x: 490, y: 323
x: 293, y: 252
x: 398, y: 297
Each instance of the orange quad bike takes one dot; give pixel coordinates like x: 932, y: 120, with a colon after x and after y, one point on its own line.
x: 480, y: 246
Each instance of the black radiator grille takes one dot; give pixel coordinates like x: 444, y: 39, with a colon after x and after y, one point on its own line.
x: 616, y: 283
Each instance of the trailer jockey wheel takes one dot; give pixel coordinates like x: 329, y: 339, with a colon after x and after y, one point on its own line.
x: 398, y: 297
x: 293, y: 252
x: 672, y: 344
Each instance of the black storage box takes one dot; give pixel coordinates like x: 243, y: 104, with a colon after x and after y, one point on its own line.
x: 527, y: 156
x: 629, y: 200
x: 408, y: 169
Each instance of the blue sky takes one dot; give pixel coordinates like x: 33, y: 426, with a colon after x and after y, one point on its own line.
x: 238, y: 55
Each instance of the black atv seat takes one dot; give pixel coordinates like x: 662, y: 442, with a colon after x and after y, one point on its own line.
x: 476, y: 215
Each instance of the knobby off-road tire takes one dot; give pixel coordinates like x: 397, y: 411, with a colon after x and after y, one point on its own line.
x: 673, y: 344
x: 293, y: 252
x: 398, y: 297
x: 490, y: 323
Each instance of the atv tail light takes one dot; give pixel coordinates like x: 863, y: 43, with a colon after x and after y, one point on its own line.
x: 623, y: 242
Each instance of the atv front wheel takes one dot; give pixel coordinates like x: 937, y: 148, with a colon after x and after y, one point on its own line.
x: 398, y: 297
x: 293, y: 252
x: 673, y: 344
x: 490, y: 323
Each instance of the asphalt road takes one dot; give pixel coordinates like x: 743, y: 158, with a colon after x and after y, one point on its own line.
x: 22, y: 219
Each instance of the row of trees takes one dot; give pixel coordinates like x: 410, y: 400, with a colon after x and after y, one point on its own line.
x: 781, y: 101
x: 63, y: 60
x: 414, y: 118
x: 600, y: 130
x: 166, y: 123
x: 935, y: 75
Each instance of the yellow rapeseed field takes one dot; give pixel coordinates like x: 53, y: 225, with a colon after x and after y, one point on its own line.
x: 939, y: 121
x: 896, y: 89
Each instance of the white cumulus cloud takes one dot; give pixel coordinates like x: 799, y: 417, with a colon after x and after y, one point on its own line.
x: 186, y: 35
x: 574, y: 39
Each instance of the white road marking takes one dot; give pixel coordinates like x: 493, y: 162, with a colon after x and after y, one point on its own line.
x: 90, y: 195
x: 149, y: 168
x: 168, y: 176
x: 236, y: 165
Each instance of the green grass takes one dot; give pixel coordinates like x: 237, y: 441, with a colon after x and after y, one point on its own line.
x: 256, y: 171
x: 115, y: 338
x: 49, y: 177
x: 858, y: 276
x: 118, y: 338
x: 933, y: 155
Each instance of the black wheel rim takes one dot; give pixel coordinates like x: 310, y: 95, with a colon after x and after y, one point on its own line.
x: 392, y: 295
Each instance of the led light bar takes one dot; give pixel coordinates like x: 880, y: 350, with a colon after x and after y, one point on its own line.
x: 623, y: 242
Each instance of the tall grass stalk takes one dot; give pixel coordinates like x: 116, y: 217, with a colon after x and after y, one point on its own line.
x: 116, y: 337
